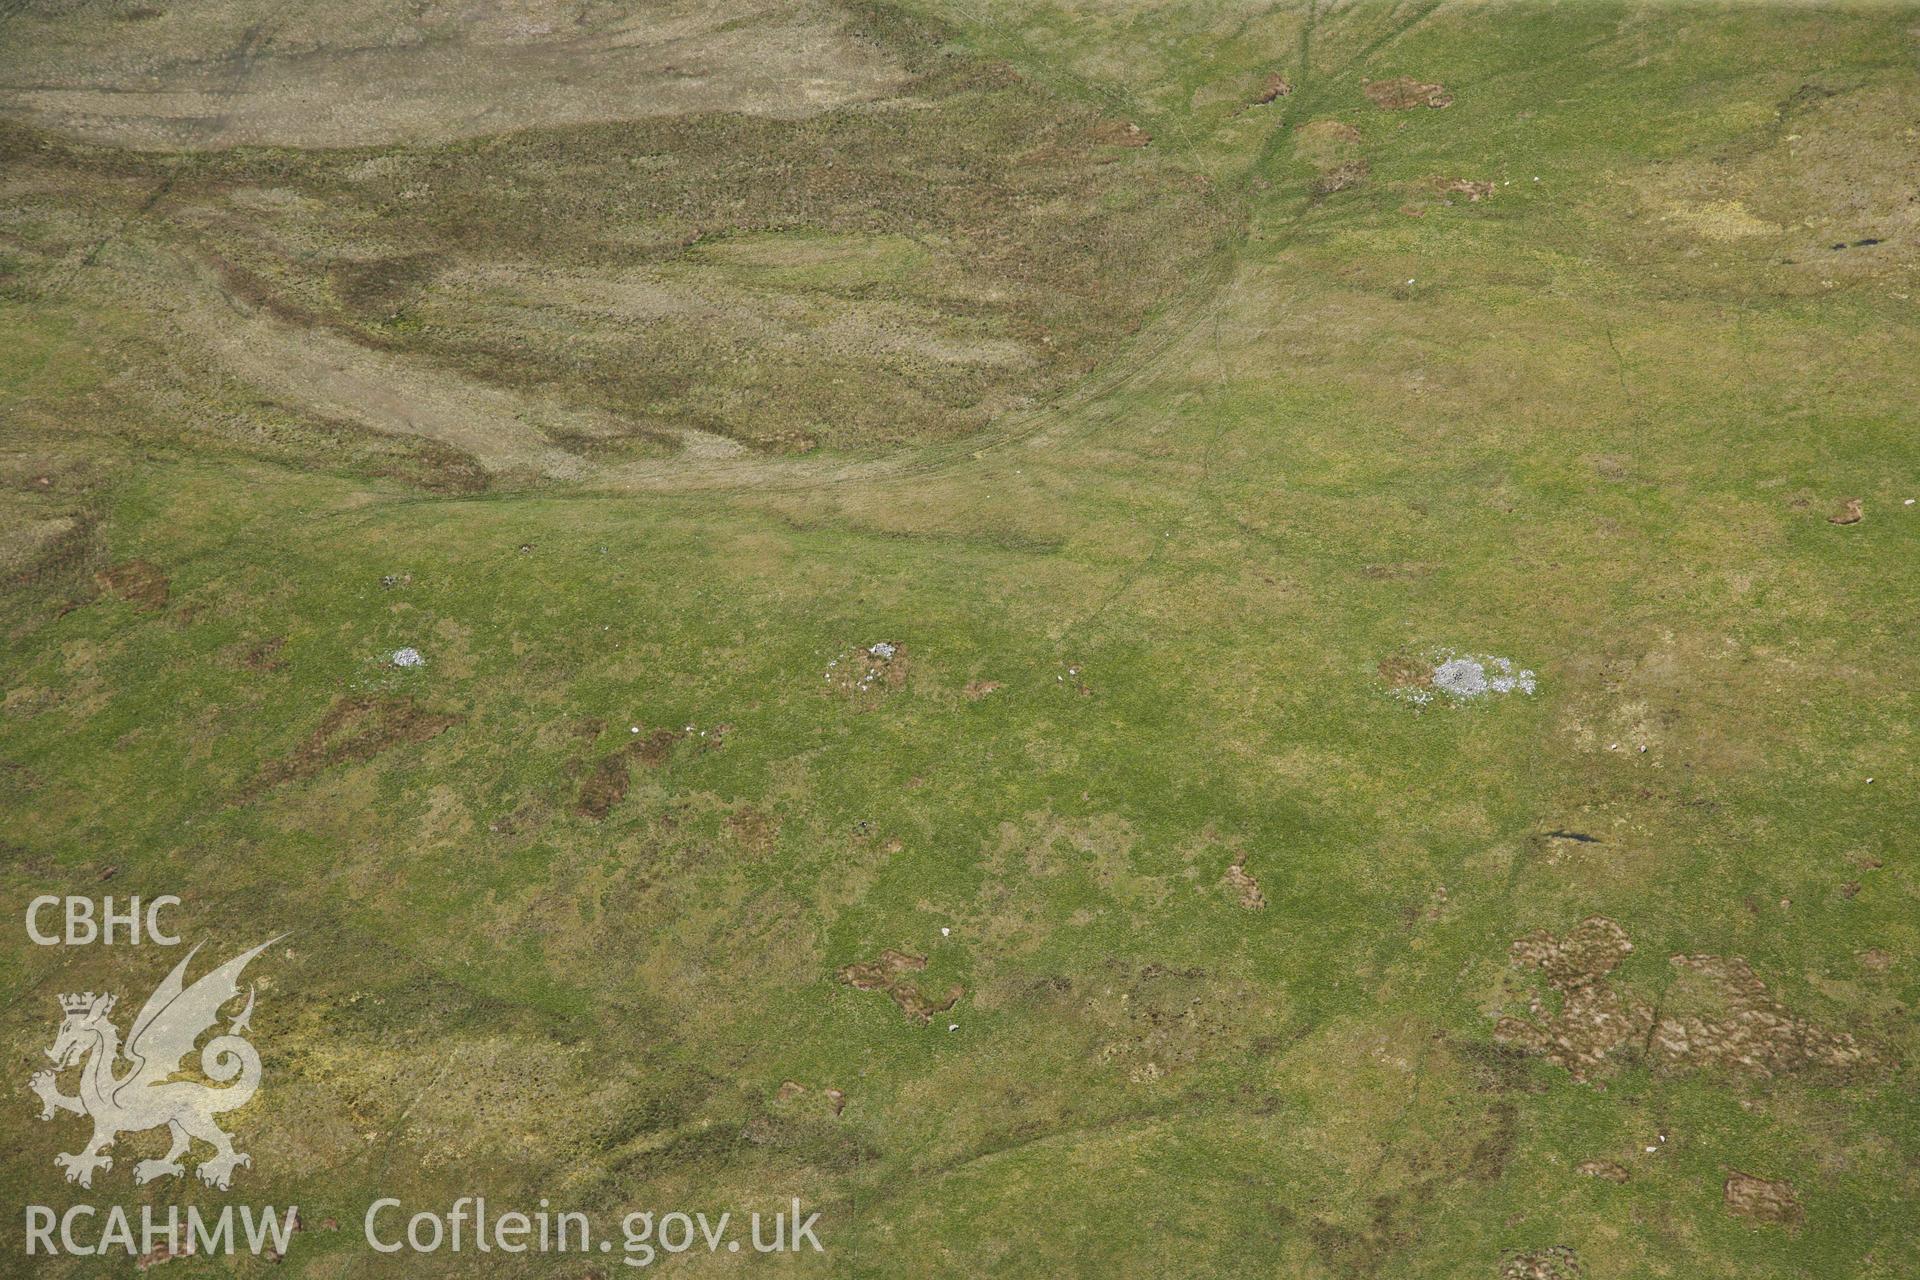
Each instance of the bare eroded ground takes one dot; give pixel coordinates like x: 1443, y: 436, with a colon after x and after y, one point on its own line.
x: 355, y: 73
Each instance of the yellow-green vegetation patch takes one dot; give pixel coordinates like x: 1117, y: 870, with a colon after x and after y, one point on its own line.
x: 816, y: 260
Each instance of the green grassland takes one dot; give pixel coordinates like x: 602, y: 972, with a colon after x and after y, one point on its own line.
x: 1185, y: 448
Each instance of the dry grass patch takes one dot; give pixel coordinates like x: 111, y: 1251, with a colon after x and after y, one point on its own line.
x: 1555, y: 1262
x: 606, y: 786
x: 1403, y: 93
x: 1718, y: 1015
x: 890, y: 974
x: 138, y: 582
x: 1245, y: 888
x: 1763, y: 1199
x: 353, y: 729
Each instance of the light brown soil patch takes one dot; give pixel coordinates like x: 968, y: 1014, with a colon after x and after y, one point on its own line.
x: 528, y: 816
x: 138, y: 582
x: 651, y: 749
x: 1763, y: 1200
x: 978, y: 689
x: 1594, y: 949
x: 1849, y: 512
x: 1316, y: 135
x: 889, y: 974
x: 1274, y: 86
x: 435, y: 466
x: 1398, y: 571
x: 1718, y: 1014
x: 1120, y: 133
x: 353, y: 729
x: 265, y: 656
x: 1603, y: 1169
x: 1593, y: 1021
x: 167, y: 1253
x: 607, y: 785
x: 1404, y: 92
x: 1402, y: 672
x: 1742, y: 1026
x: 1243, y: 884
x: 789, y: 1090
x: 30, y: 548
x: 1342, y: 176
x: 1439, y: 192
x: 1158, y: 1020
x: 1555, y: 1262
x: 480, y: 428
x: 1332, y: 147
x: 755, y: 831
x: 876, y: 669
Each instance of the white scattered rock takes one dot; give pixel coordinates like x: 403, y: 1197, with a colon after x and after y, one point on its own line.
x: 867, y: 666
x: 953, y: 1026
x: 944, y: 931
x: 1467, y: 677
x: 408, y: 657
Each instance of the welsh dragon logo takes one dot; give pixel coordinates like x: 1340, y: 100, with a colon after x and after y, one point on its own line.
x: 146, y: 1095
